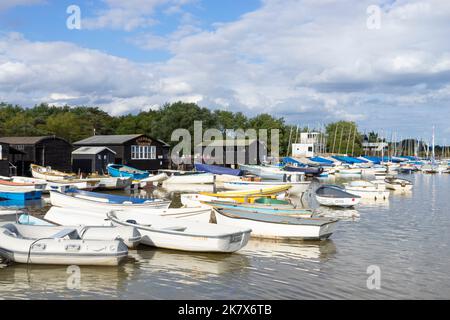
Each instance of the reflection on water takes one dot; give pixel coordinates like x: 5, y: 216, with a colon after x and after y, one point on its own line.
x: 401, y: 235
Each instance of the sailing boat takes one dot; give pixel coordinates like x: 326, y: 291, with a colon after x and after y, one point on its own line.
x: 433, y: 167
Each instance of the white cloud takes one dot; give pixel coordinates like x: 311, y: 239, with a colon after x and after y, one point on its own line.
x: 7, y: 4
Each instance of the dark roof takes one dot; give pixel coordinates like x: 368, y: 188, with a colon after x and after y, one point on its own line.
x: 111, y: 139
x: 26, y: 140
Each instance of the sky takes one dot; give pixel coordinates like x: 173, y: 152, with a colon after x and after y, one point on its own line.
x: 382, y: 63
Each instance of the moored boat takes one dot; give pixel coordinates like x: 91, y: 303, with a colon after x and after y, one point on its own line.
x: 335, y: 196
x: 35, y: 245
x: 22, y: 186
x: 119, y: 170
x: 86, y: 200
x: 218, y: 170
x: 398, y: 184
x: 190, y: 178
x: 272, y: 226
x: 297, y: 188
x: 47, y: 173
x: 250, y: 195
x: 366, y: 189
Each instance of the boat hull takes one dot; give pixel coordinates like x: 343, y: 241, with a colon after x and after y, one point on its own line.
x: 337, y: 202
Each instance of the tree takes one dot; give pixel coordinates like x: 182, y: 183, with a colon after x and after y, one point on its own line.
x: 343, y: 138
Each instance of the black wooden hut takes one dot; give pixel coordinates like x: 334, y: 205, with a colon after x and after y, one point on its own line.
x: 92, y: 159
x: 44, y: 151
x: 135, y: 150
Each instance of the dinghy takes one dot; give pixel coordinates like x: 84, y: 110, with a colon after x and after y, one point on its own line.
x: 309, y: 171
x: 119, y: 170
x: 277, y: 226
x: 335, y: 196
x: 218, y: 170
x: 398, y: 184
x: 129, y: 235
x: 250, y: 195
x: 110, y: 183
x: 153, y: 180
x: 55, y: 245
x: 22, y: 186
x: 50, y: 185
x: 73, y: 216
x: 19, y: 195
x: 47, y: 173
x: 86, y: 200
x: 297, y: 188
x: 302, y: 213
x: 176, y: 234
x: 7, y: 216
x: 366, y: 189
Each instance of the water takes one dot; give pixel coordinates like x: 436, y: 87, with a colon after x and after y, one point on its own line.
x: 407, y: 237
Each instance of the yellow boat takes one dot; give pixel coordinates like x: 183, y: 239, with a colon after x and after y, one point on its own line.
x: 249, y: 195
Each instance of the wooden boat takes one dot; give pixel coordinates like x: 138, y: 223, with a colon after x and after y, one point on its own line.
x: 296, y: 187
x: 398, y: 184
x: 86, y: 200
x: 241, y: 196
x: 75, y: 216
x: 277, y: 226
x: 119, y: 170
x: 218, y: 170
x: 366, y: 189
x: 129, y: 235
x: 190, y: 178
x: 257, y: 209
x: 47, y: 173
x: 22, y: 186
x: 335, y: 196
x: 55, y: 245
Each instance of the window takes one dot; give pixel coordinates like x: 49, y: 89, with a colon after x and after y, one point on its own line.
x: 143, y: 152
x: 310, y: 149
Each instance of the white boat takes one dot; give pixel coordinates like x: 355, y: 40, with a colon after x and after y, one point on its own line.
x: 194, y: 200
x: 349, y: 171
x: 270, y: 226
x: 47, y: 173
x: 398, y: 184
x: 74, y: 216
x: 110, y: 183
x: 190, y: 178
x: 53, y: 245
x: 86, y: 200
x: 222, y: 178
x: 297, y: 187
x: 335, y: 196
x: 16, y: 186
x: 7, y: 216
x: 153, y: 180
x: 366, y: 189
x: 49, y: 185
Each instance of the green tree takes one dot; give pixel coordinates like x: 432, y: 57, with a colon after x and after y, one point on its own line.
x: 344, y: 138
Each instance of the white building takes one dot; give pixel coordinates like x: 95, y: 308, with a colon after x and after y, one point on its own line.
x: 302, y: 150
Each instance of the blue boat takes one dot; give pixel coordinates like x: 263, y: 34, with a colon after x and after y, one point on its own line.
x: 306, y: 170
x: 217, y: 169
x: 20, y: 196
x: 120, y: 170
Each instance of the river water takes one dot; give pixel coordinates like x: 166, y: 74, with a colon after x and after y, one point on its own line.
x: 406, y: 238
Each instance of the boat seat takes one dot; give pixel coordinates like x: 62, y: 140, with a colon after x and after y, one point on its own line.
x: 175, y: 228
x: 63, y: 233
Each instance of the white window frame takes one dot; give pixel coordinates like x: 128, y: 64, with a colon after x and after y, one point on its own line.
x: 143, y: 152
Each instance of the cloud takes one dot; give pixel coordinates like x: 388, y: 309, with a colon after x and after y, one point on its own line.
x: 310, y: 61
x: 7, y: 4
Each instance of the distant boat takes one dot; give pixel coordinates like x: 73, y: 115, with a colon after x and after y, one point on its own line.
x: 217, y: 169
x: 366, y: 189
x: 335, y: 196
x: 398, y: 184
x: 281, y: 227
x: 309, y: 171
x: 119, y: 170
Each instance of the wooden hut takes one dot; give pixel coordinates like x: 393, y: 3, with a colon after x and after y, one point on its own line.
x: 92, y: 159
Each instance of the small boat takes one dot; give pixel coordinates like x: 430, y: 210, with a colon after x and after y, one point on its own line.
x: 366, y: 189
x: 75, y: 216
x: 176, y: 234
x: 273, y: 226
x: 398, y: 184
x: 153, y: 180
x: 309, y: 171
x: 250, y: 195
x: 335, y: 196
x: 190, y: 178
x: 296, y: 187
x: 9, y: 216
x: 86, y: 200
x: 22, y: 186
x: 217, y: 169
x: 47, y: 173
x: 349, y: 171
x: 292, y: 212
x: 50, y: 185
x: 129, y: 235
x: 119, y: 170
x: 19, y: 195
x: 56, y: 245
x: 222, y: 178
x: 109, y: 183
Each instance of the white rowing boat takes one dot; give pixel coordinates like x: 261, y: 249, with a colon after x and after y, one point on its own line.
x: 335, y: 196
x: 366, y: 189
x: 190, y: 178
x: 53, y: 245
x: 398, y: 184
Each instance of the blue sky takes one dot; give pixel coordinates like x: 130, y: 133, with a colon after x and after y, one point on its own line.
x: 309, y: 61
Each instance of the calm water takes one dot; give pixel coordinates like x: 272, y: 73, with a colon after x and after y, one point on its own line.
x: 408, y: 237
